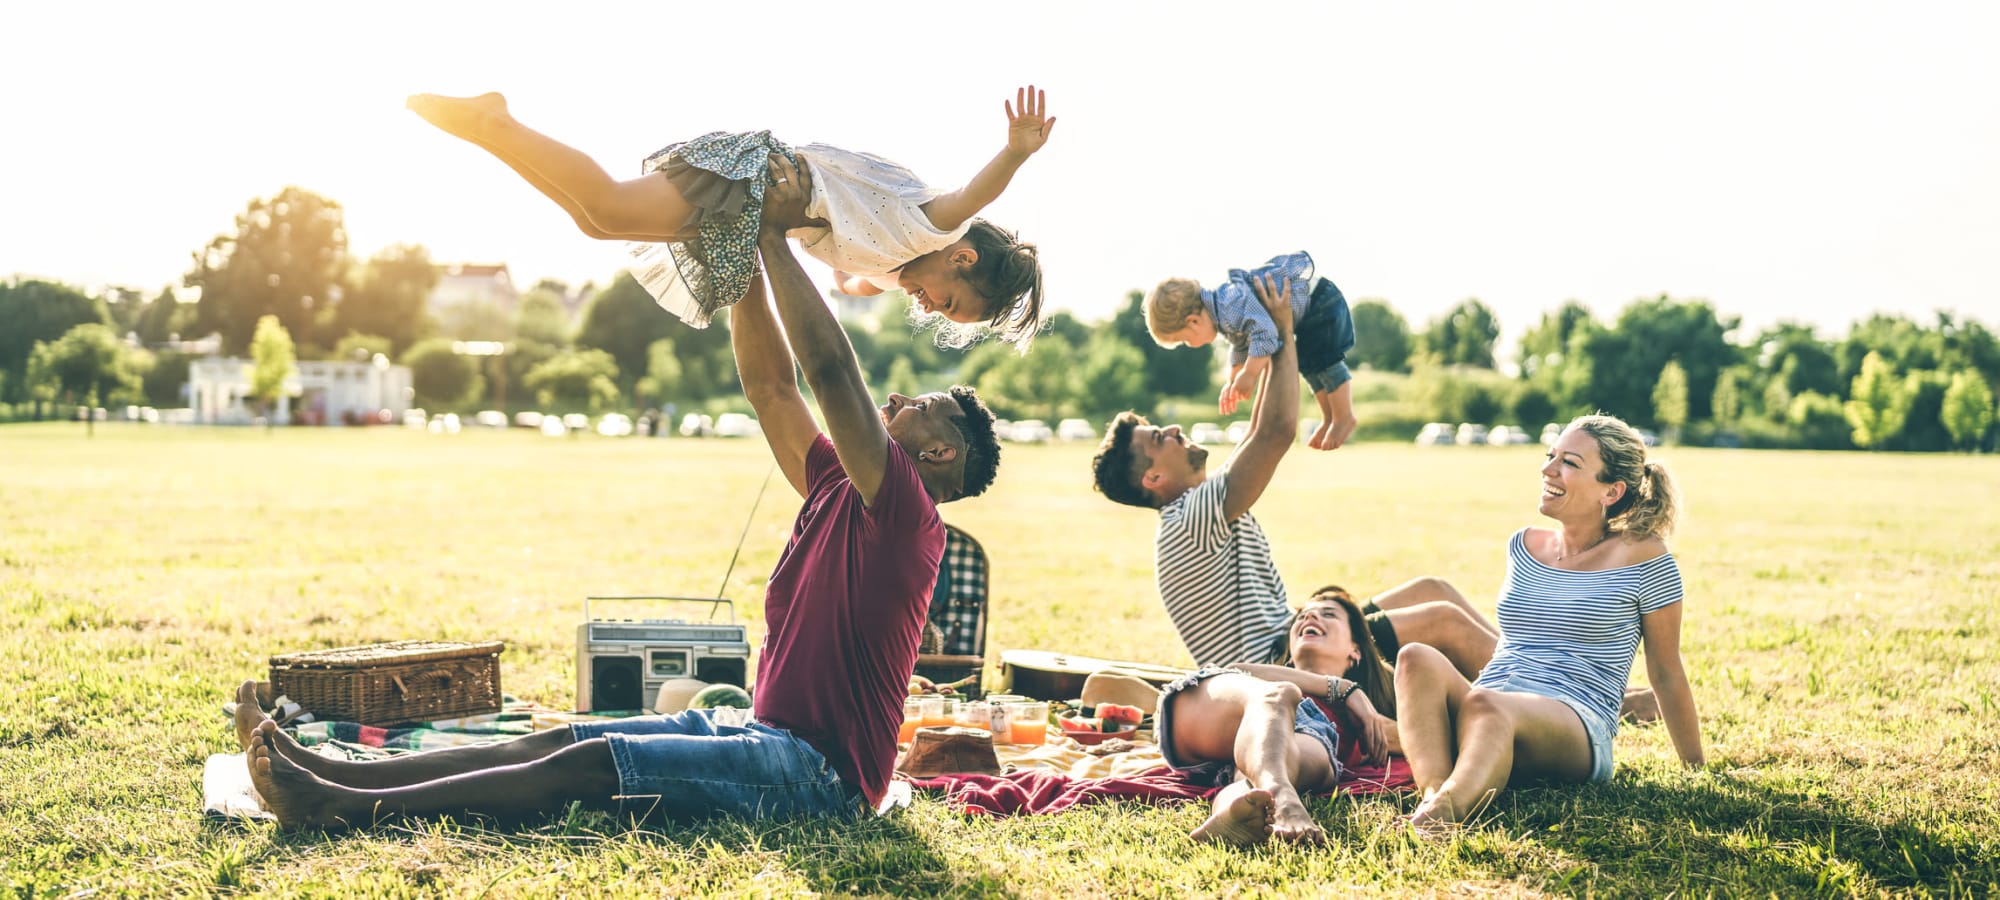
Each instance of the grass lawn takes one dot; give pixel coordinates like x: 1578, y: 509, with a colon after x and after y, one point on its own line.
x: 1842, y: 612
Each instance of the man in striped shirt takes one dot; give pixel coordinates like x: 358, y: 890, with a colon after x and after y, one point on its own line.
x: 1212, y: 561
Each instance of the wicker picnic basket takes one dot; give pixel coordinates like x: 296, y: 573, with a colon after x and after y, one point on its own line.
x: 386, y: 684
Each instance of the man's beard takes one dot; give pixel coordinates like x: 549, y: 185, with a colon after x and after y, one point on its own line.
x: 1197, y: 457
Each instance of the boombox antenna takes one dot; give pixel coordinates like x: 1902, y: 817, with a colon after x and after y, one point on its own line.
x: 746, y: 531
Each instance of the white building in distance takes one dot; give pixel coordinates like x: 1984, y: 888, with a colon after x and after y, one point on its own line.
x: 327, y: 392
x: 470, y: 284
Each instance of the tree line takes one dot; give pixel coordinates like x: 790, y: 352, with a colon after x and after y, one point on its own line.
x: 1892, y: 382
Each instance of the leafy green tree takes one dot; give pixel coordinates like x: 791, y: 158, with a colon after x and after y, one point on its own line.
x: 288, y: 258
x: 1533, y: 406
x: 1728, y: 404
x: 1382, y: 337
x: 1626, y: 360
x: 441, y: 378
x: 476, y: 321
x: 624, y: 321
x: 1545, y: 346
x: 1818, y: 422
x: 1670, y: 398
x: 1878, y: 403
x: 390, y: 296
x: 124, y: 305
x: 34, y: 312
x: 165, y: 382
x: 576, y: 381
x: 273, y: 362
x: 1175, y: 372
x: 1464, y: 335
x: 162, y: 318
x: 903, y: 378
x: 663, y: 374
x: 1110, y: 377
x: 1968, y: 409
x: 1037, y: 385
x: 1805, y: 362
x: 87, y: 365
x: 542, y: 318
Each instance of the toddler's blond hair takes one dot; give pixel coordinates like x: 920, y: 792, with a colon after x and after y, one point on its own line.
x: 1167, y: 309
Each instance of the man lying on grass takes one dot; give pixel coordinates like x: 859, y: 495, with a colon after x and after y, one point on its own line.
x: 845, y: 609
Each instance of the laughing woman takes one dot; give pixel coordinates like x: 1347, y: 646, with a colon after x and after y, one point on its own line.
x: 1577, y: 601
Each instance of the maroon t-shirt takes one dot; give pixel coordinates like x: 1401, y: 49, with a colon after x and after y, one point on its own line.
x: 846, y: 609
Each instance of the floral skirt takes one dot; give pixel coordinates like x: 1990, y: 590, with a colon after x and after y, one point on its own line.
x: 722, y: 175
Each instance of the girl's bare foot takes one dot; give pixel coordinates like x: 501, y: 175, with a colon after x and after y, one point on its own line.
x: 1242, y: 822
x: 471, y: 118
x: 1290, y: 821
x: 249, y: 714
x: 294, y: 795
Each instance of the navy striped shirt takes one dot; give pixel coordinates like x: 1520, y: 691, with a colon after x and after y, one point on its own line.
x: 1572, y: 635
x: 1217, y: 579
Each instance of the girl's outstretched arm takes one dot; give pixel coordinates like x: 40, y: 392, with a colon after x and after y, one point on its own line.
x: 1028, y: 128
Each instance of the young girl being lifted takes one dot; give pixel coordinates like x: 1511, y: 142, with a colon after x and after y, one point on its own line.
x: 873, y: 221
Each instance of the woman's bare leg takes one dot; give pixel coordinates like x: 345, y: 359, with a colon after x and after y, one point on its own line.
x: 1428, y: 692
x: 1502, y: 734
x: 645, y: 208
x: 580, y: 772
x: 1249, y: 720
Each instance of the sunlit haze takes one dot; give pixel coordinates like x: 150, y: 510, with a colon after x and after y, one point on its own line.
x: 1785, y: 161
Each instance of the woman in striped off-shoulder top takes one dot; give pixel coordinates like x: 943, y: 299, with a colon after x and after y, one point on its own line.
x: 1577, y: 601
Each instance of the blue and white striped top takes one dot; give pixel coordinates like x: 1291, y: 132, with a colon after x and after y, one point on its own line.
x: 1217, y: 579
x: 1572, y: 635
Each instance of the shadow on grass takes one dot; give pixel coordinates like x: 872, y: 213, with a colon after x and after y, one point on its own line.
x: 875, y: 857
x: 1732, y: 834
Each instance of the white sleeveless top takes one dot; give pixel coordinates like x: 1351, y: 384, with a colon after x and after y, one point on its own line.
x: 873, y: 211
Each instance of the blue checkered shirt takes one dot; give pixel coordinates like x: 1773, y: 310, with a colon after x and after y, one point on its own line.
x: 1241, y: 319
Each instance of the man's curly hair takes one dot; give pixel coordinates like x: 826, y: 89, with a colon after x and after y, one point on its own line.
x: 982, y: 447
x: 1116, y: 466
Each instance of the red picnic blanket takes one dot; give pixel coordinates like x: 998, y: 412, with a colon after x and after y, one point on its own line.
x: 1040, y: 791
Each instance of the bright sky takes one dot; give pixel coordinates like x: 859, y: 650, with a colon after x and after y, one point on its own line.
x: 1807, y: 161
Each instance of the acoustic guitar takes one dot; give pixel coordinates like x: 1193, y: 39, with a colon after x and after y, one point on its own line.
x: 1059, y: 676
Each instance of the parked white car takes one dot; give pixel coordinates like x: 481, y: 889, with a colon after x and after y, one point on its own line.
x: 736, y: 425
x: 614, y: 425
x: 415, y: 418
x: 697, y: 425
x: 552, y: 426
x: 576, y: 422
x: 1436, y: 434
x: 1550, y: 433
x: 1470, y: 434
x: 528, y: 419
x: 1075, y: 430
x: 1031, y: 431
x: 446, y: 423
x: 491, y: 418
x: 1506, y: 436
x: 1240, y: 429
x: 1206, y: 433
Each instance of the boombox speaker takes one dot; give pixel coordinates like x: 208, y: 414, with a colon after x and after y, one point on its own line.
x: 621, y: 663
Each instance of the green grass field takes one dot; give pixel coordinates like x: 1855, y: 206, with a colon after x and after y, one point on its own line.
x: 1840, y: 633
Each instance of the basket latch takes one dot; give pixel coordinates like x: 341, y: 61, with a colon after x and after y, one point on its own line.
x: 442, y: 675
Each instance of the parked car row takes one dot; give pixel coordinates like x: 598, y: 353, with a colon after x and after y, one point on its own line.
x: 1467, y: 434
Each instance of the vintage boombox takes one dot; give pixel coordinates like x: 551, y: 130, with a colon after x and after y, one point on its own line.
x: 621, y: 663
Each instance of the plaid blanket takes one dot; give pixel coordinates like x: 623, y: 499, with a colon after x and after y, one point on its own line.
x: 515, y: 718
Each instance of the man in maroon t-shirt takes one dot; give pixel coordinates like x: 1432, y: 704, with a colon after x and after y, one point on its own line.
x: 845, y: 609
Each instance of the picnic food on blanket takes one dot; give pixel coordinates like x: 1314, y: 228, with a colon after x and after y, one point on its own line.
x: 717, y: 695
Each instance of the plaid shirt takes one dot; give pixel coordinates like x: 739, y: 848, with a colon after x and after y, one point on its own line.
x: 1240, y: 317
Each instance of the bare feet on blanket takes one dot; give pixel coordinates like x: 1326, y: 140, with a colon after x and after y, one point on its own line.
x: 1640, y: 707
x: 471, y: 118
x: 294, y: 795
x: 1244, y: 821
x: 1290, y: 821
x: 249, y: 714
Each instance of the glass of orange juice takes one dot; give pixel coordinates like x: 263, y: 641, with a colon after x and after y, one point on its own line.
x: 940, y: 711
x: 913, y: 716
x: 1029, y: 723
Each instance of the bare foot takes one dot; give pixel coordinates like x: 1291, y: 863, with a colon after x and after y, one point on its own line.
x: 471, y: 118
x: 1290, y: 821
x: 292, y: 794
x: 1243, y: 822
x: 249, y: 714
x: 1432, y: 820
x: 1640, y: 706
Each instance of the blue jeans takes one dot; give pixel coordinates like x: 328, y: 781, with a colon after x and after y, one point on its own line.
x: 686, y: 766
x: 1307, y: 720
x: 1325, y: 333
